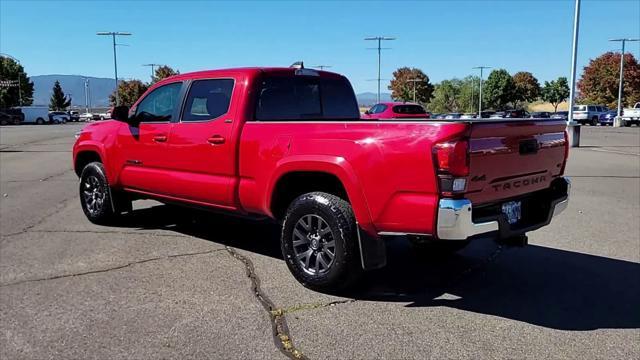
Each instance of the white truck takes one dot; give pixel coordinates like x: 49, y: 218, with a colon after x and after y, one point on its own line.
x: 35, y: 114
x: 631, y: 116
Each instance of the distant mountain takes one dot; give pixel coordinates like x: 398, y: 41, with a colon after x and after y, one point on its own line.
x: 99, y: 89
x: 368, y: 98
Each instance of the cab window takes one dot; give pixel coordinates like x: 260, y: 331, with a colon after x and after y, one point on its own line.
x: 208, y: 99
x: 159, y: 105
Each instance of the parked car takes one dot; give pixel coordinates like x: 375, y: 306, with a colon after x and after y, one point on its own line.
x: 487, y: 114
x: 564, y: 115
x: 452, y: 116
x: 631, y: 116
x: 396, y: 110
x: 59, y: 117
x: 515, y: 114
x: 74, y: 116
x: 497, y: 115
x: 35, y: 114
x: 286, y: 143
x: 607, y: 118
x: 468, y: 116
x: 89, y: 117
x: 11, y: 116
x: 540, y: 115
x: 588, y: 114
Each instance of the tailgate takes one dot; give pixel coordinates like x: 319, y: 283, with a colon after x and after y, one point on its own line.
x: 512, y: 158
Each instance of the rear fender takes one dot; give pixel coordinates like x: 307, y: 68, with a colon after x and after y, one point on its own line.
x: 372, y: 247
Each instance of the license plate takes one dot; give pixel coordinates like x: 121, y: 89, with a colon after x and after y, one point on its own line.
x: 513, y: 211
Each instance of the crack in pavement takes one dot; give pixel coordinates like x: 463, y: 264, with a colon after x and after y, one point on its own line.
x: 98, y: 271
x: 281, y: 335
x: 312, y: 306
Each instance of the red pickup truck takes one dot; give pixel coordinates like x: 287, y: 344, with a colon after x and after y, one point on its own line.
x: 289, y: 144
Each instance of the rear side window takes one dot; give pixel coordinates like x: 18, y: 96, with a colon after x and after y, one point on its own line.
x: 409, y: 109
x: 208, y: 99
x: 305, y: 98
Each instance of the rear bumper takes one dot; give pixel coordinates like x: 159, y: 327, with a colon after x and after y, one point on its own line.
x: 457, y: 221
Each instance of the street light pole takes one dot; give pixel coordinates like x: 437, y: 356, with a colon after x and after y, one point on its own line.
x: 153, y: 66
x: 620, y: 85
x: 379, y: 39
x: 480, y: 95
x: 414, y: 81
x: 113, y: 35
x: 574, y: 57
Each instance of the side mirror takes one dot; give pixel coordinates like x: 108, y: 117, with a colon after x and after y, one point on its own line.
x: 120, y: 113
x: 367, y: 112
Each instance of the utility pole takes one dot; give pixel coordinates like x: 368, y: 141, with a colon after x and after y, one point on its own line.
x: 574, y: 58
x: 379, y: 39
x: 113, y: 35
x: 322, y: 67
x: 153, y: 71
x: 414, y: 81
x: 480, y: 95
x: 86, y: 95
x: 620, y: 85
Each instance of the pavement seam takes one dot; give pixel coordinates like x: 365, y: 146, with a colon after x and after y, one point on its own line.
x: 98, y: 271
x: 55, y: 210
x: 281, y: 335
x: 45, y: 231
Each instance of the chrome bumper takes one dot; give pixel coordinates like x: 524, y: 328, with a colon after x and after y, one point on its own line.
x: 456, y: 223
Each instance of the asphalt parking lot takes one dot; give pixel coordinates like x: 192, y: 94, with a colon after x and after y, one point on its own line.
x: 170, y: 283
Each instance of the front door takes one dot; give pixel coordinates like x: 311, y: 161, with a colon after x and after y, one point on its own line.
x: 201, y: 146
x: 143, y: 147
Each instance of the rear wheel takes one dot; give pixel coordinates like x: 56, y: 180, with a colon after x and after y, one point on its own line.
x: 319, y: 242
x: 594, y: 121
x: 39, y: 121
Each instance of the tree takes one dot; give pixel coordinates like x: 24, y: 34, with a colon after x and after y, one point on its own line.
x: 499, y: 90
x: 162, y: 72
x: 15, y: 84
x: 59, y: 101
x: 445, y: 96
x: 527, y: 87
x: 402, y: 88
x: 129, y: 91
x: 556, y: 91
x: 601, y: 78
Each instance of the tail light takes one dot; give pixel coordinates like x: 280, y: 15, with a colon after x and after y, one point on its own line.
x: 452, y: 157
x: 452, y: 162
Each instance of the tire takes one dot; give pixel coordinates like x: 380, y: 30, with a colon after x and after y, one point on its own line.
x: 429, y: 247
x: 40, y: 121
x: 627, y: 124
x: 321, y: 224
x: 594, y: 121
x: 99, y: 203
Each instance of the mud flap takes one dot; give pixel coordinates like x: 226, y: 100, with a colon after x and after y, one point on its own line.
x: 373, y: 250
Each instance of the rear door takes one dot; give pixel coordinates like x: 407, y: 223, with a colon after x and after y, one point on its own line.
x: 508, y: 159
x: 202, y: 149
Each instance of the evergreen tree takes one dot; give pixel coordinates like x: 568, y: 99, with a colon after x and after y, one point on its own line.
x: 59, y: 101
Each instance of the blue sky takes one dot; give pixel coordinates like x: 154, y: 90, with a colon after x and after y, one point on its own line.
x: 443, y: 38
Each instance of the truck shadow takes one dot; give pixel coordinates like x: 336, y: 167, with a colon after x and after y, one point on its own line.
x: 538, y: 285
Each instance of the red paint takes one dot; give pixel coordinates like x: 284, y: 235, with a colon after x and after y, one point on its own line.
x: 386, y: 167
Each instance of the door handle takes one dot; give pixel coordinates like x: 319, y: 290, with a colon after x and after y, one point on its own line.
x: 216, y: 140
x: 160, y: 138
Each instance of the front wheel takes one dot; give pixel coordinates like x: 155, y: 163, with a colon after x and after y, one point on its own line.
x: 99, y: 203
x: 594, y: 121
x: 319, y: 242
x: 39, y: 121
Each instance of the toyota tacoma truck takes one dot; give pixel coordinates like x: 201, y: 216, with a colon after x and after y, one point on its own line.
x: 289, y: 144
